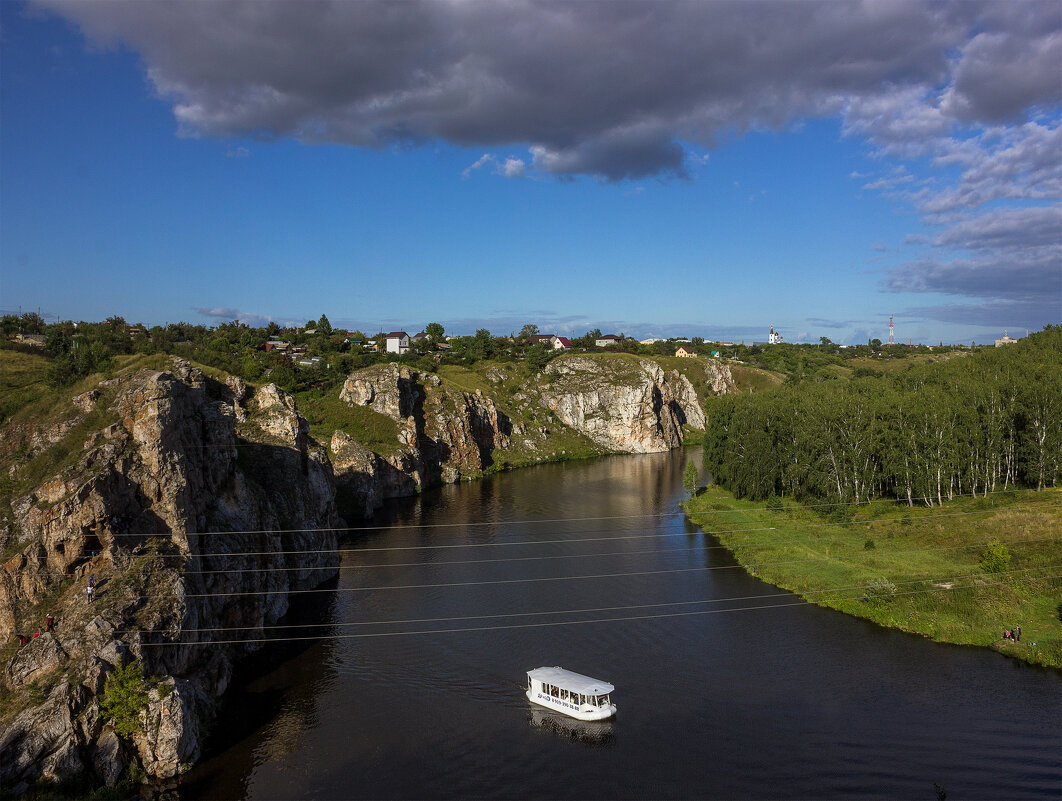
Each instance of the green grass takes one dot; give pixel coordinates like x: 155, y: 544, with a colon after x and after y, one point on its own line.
x: 921, y: 551
x: 754, y: 379
x: 22, y: 383
x: 326, y: 413
x: 892, y: 365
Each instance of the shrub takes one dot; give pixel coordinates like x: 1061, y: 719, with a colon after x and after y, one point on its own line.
x: 124, y: 698
x: 880, y: 590
x: 996, y: 557
x: 869, y: 545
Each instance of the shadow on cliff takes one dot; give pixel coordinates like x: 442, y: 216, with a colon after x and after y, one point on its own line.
x: 438, y: 451
x: 271, y: 699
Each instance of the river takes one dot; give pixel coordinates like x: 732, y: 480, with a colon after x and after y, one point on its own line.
x: 754, y: 696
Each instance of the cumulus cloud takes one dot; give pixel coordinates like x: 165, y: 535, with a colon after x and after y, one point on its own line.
x: 966, y: 93
x: 510, y: 167
x: 613, y: 90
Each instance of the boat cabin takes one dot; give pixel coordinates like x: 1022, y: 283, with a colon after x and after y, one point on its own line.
x: 573, y: 694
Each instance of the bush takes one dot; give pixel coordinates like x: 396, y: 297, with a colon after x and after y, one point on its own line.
x: 880, y: 590
x: 124, y: 698
x: 996, y: 557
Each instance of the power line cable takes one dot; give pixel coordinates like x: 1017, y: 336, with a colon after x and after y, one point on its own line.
x: 496, y: 615
x: 249, y: 593
x: 691, y: 613
x: 921, y: 519
x: 469, y: 524
x: 551, y: 557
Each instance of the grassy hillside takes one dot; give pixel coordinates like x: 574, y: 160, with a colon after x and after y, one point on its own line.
x: 931, y: 558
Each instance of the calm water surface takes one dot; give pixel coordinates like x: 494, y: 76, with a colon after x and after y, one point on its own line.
x: 770, y: 702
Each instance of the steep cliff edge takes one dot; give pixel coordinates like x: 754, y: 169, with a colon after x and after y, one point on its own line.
x: 156, y: 506
x: 199, y: 505
x: 621, y: 405
x: 447, y: 428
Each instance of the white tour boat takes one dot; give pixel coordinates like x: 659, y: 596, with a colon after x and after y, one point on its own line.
x: 575, y: 695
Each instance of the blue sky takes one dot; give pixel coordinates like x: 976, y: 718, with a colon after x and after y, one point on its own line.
x: 143, y: 174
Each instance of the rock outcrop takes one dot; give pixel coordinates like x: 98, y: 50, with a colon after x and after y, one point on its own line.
x: 158, y: 507
x: 621, y: 405
x: 160, y: 484
x: 443, y: 434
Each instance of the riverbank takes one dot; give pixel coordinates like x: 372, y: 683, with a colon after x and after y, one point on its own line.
x: 914, y: 569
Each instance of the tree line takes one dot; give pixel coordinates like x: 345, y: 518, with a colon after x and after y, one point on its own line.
x: 986, y: 421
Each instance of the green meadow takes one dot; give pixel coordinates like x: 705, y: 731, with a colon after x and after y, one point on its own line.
x: 922, y: 570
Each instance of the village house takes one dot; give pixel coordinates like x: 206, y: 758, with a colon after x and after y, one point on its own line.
x: 607, y: 340
x: 686, y: 352
x: 562, y: 343
x: 397, y: 342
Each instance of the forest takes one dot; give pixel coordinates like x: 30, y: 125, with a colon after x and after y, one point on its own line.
x: 979, y: 422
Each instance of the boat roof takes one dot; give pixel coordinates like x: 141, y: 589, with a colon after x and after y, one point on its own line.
x: 574, y: 682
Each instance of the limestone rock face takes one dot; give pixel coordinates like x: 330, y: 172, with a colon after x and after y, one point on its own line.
x: 157, y: 507
x: 443, y: 433
x: 621, y: 405
x: 719, y: 377
x: 387, y: 388
x: 273, y: 410
x: 170, y: 735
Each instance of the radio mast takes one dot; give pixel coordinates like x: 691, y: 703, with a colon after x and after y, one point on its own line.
x: 892, y: 333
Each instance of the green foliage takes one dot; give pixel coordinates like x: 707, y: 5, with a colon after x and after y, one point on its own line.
x: 879, y: 590
x: 996, y: 557
x: 436, y: 333
x: 690, y: 479
x: 924, y: 434
x: 125, y: 698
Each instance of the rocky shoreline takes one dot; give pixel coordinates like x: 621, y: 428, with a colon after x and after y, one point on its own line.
x: 185, y: 475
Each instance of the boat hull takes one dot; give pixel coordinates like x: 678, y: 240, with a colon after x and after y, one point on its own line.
x: 584, y: 712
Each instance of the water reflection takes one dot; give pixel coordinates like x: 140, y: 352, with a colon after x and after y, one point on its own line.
x: 592, y: 733
x: 796, y: 701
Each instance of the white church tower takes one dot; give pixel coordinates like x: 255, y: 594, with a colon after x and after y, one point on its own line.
x: 774, y: 338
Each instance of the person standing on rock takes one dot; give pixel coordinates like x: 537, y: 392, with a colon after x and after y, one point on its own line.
x: 90, y: 591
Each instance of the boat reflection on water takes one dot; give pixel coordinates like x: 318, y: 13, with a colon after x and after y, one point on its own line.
x: 593, y: 733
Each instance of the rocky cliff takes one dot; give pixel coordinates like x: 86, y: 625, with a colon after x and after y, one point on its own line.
x: 622, y: 406
x: 199, y: 506
x: 445, y: 431
x: 157, y: 507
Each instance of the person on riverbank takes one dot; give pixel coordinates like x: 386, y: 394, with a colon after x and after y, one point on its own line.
x: 1017, y: 634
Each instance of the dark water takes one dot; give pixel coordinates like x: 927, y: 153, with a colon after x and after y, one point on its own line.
x: 775, y: 702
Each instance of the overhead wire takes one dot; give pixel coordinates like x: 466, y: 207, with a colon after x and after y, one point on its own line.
x: 938, y: 581
x: 691, y: 613
x: 468, y: 524
x: 567, y: 540
x: 500, y: 560
x: 540, y: 579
